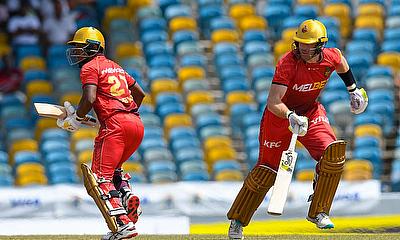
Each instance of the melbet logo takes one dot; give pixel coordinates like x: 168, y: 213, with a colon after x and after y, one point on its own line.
x: 309, y: 86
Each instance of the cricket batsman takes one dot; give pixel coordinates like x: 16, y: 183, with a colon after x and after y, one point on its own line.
x: 292, y: 106
x: 115, y: 97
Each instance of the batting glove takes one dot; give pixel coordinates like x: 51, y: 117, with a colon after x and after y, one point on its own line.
x: 358, y: 100
x: 72, y: 122
x: 297, y: 124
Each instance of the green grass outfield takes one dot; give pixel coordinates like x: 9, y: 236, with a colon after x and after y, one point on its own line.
x: 346, y: 228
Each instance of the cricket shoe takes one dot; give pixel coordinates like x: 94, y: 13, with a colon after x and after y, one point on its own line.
x: 235, y: 230
x: 131, y: 204
x: 322, y: 221
x: 124, y: 232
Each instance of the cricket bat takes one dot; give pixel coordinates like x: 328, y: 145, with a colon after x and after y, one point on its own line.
x: 59, y: 112
x: 283, y: 179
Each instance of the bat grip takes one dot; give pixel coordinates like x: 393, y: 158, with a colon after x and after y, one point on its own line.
x: 293, y: 140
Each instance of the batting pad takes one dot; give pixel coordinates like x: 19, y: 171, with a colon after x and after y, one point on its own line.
x: 252, y: 193
x: 93, y: 189
x: 331, y: 166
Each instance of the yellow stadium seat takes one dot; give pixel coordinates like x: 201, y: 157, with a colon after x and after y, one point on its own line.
x: 133, y: 167
x: 29, y: 168
x: 217, y: 142
x: 282, y: 47
x: 163, y: 85
x: 85, y: 157
x: 32, y: 179
x: 221, y: 153
x: 371, y: 9
x: 4, y: 38
x: 115, y: 12
x: 4, y: 49
x: 358, y: 170
x: 224, y: 35
x: 357, y: 176
x: 288, y: 34
x: 43, y: 124
x: 22, y: 144
x: 318, y: 3
x: 252, y: 22
x: 190, y: 72
x: 135, y: 5
x: 241, y: 10
x: 370, y: 22
x: 36, y: 87
x: 72, y: 97
x: 196, y: 97
x: 305, y: 175
x: 343, y: 13
x: 83, y: 133
x: 175, y: 120
x: 147, y: 99
x: 32, y: 63
x: 391, y: 59
x: 358, y: 164
x: 182, y: 23
x: 229, y: 175
x: 128, y: 49
x: 368, y: 130
x: 239, y: 97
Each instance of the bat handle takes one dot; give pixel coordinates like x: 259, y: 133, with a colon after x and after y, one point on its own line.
x: 293, y: 140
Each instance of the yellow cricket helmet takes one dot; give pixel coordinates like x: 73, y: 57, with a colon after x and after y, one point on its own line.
x: 311, y: 31
x: 87, y: 43
x: 87, y: 35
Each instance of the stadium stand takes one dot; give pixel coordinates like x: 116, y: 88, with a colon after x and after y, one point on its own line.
x: 206, y: 66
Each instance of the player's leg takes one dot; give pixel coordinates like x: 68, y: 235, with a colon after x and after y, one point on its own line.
x: 321, y: 142
x: 274, y: 138
x: 133, y: 131
x: 106, y: 157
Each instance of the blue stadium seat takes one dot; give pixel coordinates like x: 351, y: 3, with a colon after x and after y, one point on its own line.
x: 153, y: 23
x: 276, y: 14
x: 153, y: 132
x: 196, y: 176
x: 189, y: 154
x: 162, y: 60
x: 35, y: 74
x: 222, y: 23
x: 226, y: 164
x: 150, y: 119
x: 177, y: 10
x: 177, y: 133
x: 22, y: 157
x: 186, y: 142
x: 59, y: 157
x: 235, y: 84
x: 169, y: 108
x: 225, y: 47
x: 156, y: 35
x: 227, y: 60
x: 254, y: 35
x: 390, y: 46
x: 229, y: 72
x: 366, y: 141
x: 161, y: 166
x: 160, y: 72
x: 3, y: 157
x: 50, y: 146
x: 184, y: 36
x: 210, y: 119
x: 194, y: 60
x: 367, y: 34
x: 157, y: 154
x: 392, y: 33
x: 308, y: 11
x: 152, y: 143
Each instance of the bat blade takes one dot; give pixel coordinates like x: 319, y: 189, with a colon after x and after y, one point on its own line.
x: 50, y: 110
x: 282, y: 182
x: 56, y: 111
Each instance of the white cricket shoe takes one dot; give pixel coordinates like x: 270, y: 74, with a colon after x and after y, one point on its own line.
x: 124, y: 232
x: 235, y: 230
x: 322, y: 221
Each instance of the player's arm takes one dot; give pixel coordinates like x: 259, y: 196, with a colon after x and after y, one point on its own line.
x: 137, y: 93
x: 87, y: 100
x: 274, y: 102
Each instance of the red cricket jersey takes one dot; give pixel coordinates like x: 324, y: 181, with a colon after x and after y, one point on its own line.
x: 113, y: 83
x: 305, y: 80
